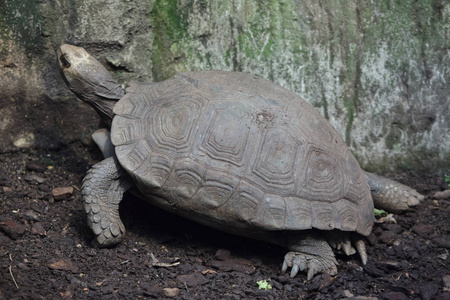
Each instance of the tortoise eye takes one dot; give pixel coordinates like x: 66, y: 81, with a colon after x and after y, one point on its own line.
x: 64, y: 61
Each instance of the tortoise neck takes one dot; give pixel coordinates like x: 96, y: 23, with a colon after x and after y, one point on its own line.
x: 104, y: 109
x: 103, y: 104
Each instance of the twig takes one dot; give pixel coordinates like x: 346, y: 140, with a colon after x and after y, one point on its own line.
x: 10, y: 272
x: 12, y: 276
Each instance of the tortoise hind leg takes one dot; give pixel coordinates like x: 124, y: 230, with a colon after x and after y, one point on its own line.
x: 102, y: 190
x: 346, y: 242
x: 313, y: 254
x: 391, y: 195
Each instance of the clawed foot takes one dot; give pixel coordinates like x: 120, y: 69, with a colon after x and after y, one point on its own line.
x: 391, y: 195
x: 300, y: 262
x: 403, y: 197
x: 108, y: 233
x: 344, y: 241
x: 397, y: 198
x: 412, y: 197
x: 313, y: 255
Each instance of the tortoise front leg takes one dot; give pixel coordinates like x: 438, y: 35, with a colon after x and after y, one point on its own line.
x: 312, y: 254
x: 102, y: 190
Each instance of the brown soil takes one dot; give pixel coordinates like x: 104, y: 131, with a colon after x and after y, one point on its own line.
x: 45, y: 249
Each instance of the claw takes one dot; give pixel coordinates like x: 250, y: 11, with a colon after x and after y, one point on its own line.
x: 311, y: 273
x: 348, y: 249
x: 302, y: 265
x: 294, y: 271
x: 297, y: 261
x: 284, y: 267
x: 414, y: 200
x: 313, y: 256
x: 361, y: 247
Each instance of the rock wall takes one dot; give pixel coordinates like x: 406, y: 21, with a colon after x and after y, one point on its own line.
x: 379, y: 71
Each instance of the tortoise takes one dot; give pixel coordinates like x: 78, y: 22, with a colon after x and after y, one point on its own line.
x: 231, y: 151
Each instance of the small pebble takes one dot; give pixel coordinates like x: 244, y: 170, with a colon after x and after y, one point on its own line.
x: 171, y: 292
x: 63, y: 264
x: 38, y: 228
x: 347, y: 294
x: 192, y: 280
x: 442, y: 195
x: 6, y: 189
x: 22, y: 266
x: 423, y: 229
x: 62, y: 193
x: 12, y: 228
x: 37, y: 166
x: 222, y: 254
x: 32, y: 178
x: 394, y: 228
x: 31, y: 215
x: 387, y: 238
x: 234, y: 264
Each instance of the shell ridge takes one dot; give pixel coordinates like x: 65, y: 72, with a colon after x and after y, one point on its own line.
x: 288, y: 167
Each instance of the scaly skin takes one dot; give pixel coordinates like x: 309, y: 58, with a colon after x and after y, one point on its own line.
x: 391, y: 195
x: 312, y: 254
x: 102, y: 189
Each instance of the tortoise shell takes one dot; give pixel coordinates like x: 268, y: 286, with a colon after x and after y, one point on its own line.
x: 231, y: 150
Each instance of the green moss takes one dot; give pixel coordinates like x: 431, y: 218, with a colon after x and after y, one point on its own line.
x: 264, y: 36
x: 228, y: 57
x: 170, y: 24
x: 208, y: 60
x: 200, y: 57
x: 408, y: 26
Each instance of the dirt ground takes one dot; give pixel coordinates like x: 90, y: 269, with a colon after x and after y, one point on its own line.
x: 46, y: 252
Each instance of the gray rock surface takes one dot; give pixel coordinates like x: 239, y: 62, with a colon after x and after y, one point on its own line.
x: 378, y: 71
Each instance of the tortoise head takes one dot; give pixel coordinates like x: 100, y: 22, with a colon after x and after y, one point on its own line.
x: 89, y: 80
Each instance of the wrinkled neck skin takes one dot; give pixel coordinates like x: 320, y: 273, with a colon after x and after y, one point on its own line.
x: 89, y: 80
x: 103, y: 106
